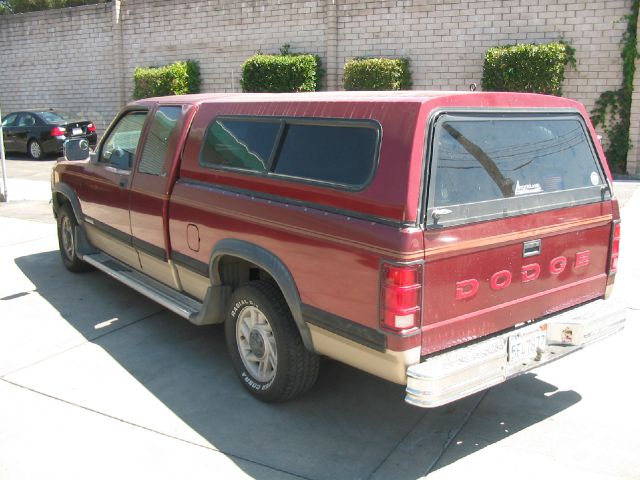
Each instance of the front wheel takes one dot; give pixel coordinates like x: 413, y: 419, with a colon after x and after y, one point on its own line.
x: 265, y: 345
x: 67, y: 225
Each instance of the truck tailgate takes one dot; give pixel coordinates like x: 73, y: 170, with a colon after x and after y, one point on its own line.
x: 484, y: 284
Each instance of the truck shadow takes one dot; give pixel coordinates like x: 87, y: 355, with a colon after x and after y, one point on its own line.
x: 351, y: 425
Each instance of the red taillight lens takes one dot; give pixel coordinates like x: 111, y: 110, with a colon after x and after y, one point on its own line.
x: 91, y: 128
x: 400, y: 297
x: 57, y: 132
x: 615, y: 248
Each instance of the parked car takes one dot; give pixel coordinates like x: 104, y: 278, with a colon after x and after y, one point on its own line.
x: 42, y: 132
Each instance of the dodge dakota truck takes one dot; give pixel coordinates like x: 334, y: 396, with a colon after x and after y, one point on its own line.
x: 446, y: 241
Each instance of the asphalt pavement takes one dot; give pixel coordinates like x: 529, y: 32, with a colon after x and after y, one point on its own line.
x: 98, y: 382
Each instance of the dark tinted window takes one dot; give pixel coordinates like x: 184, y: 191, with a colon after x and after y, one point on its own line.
x: 26, y: 120
x: 157, y: 142
x: 244, y: 144
x: 494, y: 167
x: 343, y: 153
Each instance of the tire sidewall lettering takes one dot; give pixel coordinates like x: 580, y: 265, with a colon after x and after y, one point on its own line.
x: 246, y: 376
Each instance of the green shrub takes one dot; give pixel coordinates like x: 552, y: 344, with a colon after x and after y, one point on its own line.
x: 281, y: 73
x: 175, y: 79
x: 21, y: 6
x: 377, y: 74
x: 527, y: 68
x: 612, y: 111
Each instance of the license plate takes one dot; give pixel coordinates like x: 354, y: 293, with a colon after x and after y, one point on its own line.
x: 527, y: 344
x: 76, y: 131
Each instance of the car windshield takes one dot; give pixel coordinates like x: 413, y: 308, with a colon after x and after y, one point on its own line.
x: 58, y: 116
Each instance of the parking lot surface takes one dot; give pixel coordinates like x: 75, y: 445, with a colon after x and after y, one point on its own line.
x: 98, y: 382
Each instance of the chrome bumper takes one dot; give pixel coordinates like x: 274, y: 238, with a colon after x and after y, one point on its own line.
x: 469, y: 369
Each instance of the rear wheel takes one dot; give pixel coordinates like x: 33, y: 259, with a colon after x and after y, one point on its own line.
x: 67, y: 226
x: 35, y: 150
x: 265, y: 345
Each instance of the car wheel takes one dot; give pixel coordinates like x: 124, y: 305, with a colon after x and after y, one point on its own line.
x: 34, y: 149
x: 67, y: 225
x: 265, y: 346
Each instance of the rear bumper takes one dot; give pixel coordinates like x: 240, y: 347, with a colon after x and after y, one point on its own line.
x: 469, y: 369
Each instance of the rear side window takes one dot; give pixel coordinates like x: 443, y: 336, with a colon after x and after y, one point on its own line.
x: 26, y: 120
x: 341, y: 153
x: 245, y: 145
x: 487, y: 167
x: 157, y: 142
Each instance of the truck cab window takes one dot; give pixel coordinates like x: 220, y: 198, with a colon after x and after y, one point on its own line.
x: 119, y: 149
x: 157, y: 142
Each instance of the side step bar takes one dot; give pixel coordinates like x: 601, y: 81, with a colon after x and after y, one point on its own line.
x: 172, y: 300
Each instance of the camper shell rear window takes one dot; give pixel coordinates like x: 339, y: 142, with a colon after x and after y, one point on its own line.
x: 489, y: 166
x: 334, y: 152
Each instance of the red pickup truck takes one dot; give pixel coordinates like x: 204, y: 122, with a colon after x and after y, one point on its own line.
x: 442, y: 240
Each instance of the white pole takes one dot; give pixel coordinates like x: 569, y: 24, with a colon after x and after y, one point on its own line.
x: 3, y: 194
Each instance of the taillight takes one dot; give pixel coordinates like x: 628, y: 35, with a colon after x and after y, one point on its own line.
x: 57, y: 132
x: 91, y: 128
x: 400, y: 297
x: 615, y: 248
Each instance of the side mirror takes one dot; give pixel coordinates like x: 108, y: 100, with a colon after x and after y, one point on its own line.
x: 76, y: 149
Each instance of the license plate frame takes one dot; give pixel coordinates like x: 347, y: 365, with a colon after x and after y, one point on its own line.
x: 526, y: 344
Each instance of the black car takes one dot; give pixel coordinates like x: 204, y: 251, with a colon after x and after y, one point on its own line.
x: 41, y: 132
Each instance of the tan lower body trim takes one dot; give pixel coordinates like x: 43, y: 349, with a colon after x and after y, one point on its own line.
x: 158, y: 270
x: 108, y: 244
x: 192, y: 283
x: 389, y: 365
x: 608, y: 291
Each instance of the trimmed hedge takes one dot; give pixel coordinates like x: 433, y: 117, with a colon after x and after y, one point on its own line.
x: 527, y: 68
x: 174, y: 79
x: 281, y: 73
x: 21, y: 6
x: 377, y: 74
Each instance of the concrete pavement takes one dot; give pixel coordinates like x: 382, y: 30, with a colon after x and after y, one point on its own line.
x: 97, y: 382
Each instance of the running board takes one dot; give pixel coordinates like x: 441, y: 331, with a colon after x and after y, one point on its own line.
x: 175, y: 301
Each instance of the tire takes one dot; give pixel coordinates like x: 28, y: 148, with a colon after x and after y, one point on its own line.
x: 265, y: 345
x: 67, y: 226
x: 34, y: 149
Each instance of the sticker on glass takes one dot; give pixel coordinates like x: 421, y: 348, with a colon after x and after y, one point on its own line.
x: 595, y: 179
x: 526, y: 188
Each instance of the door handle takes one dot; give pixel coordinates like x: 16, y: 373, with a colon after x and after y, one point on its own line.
x: 123, y: 183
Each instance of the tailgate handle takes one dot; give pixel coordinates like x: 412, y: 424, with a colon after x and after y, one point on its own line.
x: 531, y: 248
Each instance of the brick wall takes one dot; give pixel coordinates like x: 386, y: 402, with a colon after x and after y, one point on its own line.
x: 446, y: 40
x: 60, y: 58
x: 83, y: 58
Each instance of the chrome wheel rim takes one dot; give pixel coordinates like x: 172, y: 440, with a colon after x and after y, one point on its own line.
x: 35, y: 149
x: 67, y: 237
x: 256, y: 344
